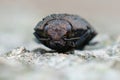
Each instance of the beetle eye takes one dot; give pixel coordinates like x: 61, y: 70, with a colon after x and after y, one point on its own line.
x: 46, y: 28
x: 68, y: 28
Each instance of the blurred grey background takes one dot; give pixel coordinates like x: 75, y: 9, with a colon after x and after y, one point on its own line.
x: 19, y: 17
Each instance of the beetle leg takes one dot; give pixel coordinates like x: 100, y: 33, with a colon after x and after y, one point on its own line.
x: 71, y: 43
x: 40, y: 39
x: 85, y: 39
x: 80, y: 43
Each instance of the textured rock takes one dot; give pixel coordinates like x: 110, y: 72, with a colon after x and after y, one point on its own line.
x: 98, y: 62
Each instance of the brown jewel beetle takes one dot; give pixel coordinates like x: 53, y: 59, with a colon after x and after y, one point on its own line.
x: 64, y: 32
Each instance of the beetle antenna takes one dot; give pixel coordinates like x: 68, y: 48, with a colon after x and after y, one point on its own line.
x: 76, y: 38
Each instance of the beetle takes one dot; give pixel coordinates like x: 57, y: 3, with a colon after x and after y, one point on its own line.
x: 64, y: 32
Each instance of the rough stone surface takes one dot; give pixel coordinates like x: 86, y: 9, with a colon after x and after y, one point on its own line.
x: 98, y: 62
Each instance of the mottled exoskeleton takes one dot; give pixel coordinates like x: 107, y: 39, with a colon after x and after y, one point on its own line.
x: 64, y: 32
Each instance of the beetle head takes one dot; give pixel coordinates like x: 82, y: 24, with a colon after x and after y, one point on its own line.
x: 56, y: 30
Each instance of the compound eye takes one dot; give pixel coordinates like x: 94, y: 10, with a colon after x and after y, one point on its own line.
x: 46, y: 28
x: 68, y: 28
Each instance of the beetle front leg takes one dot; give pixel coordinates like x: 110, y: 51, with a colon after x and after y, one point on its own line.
x: 79, y: 44
x: 85, y: 39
